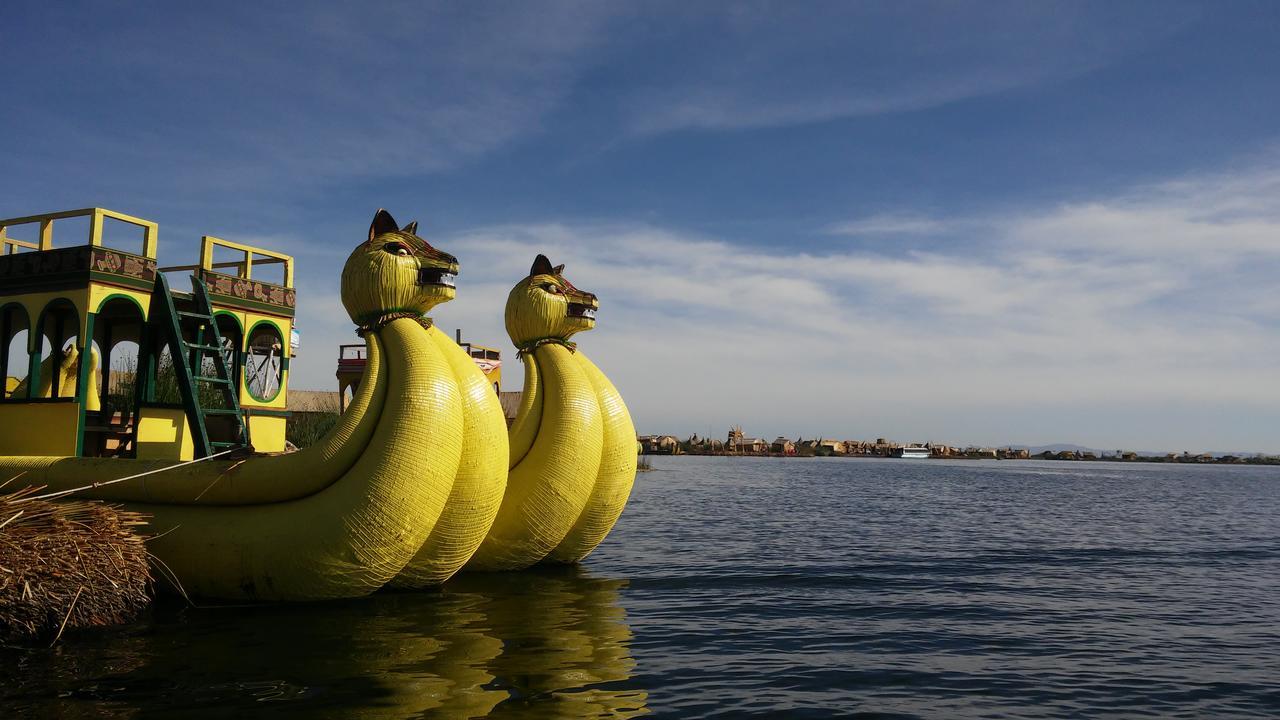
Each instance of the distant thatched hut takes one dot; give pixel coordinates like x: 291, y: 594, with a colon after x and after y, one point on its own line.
x: 510, y: 402
x: 836, y: 447
x: 659, y: 444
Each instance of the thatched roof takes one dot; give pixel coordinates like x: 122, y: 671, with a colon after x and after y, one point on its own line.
x: 316, y: 401
x: 510, y: 404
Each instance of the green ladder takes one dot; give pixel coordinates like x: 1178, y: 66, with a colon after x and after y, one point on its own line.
x: 170, y: 315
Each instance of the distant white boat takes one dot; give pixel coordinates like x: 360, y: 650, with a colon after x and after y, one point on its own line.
x: 911, y: 452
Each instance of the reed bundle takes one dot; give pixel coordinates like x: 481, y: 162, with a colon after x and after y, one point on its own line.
x: 69, y: 564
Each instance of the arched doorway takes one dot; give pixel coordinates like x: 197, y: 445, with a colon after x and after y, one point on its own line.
x: 58, y: 331
x: 117, y: 330
x: 15, y: 349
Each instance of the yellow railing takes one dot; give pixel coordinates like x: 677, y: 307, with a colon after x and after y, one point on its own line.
x: 150, y: 230
x: 243, y: 268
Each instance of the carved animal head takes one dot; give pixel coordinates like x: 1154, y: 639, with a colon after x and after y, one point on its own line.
x: 395, y: 271
x: 546, y: 305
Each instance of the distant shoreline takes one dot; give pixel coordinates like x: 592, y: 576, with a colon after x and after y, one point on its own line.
x: 1152, y: 460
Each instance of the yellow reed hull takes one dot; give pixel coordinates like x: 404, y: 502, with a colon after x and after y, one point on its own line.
x: 340, y: 520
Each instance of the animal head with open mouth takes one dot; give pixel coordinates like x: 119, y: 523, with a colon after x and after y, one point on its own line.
x: 545, y: 305
x: 396, y: 271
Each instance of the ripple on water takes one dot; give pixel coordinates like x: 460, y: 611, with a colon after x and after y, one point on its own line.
x: 771, y: 588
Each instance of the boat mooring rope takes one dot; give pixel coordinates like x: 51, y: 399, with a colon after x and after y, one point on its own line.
x: 60, y: 493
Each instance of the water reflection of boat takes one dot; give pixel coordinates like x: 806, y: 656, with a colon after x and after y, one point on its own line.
x: 544, y: 643
x: 566, y: 643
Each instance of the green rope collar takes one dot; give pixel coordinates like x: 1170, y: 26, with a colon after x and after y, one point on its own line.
x: 532, y: 345
x: 384, y: 320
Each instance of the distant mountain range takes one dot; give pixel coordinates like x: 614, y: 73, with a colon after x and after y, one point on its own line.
x: 1062, y: 447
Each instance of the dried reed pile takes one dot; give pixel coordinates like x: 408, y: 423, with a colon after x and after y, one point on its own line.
x: 69, y: 564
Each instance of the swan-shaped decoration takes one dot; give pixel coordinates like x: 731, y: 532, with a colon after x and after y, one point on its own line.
x: 573, y: 446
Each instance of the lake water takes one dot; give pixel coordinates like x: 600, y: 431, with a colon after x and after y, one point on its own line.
x: 737, y: 587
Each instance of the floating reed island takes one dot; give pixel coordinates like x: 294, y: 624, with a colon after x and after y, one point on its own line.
x: 68, y: 565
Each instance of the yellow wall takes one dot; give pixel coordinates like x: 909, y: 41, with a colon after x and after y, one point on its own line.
x: 98, y: 293
x: 38, y: 428
x: 163, y: 434
x: 267, y: 433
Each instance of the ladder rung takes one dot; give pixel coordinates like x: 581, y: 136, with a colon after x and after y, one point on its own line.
x: 218, y: 411
x: 196, y: 315
x: 199, y: 346
x: 206, y: 378
x: 226, y: 444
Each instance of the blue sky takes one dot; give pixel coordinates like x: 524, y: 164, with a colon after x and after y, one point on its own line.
x: 962, y: 222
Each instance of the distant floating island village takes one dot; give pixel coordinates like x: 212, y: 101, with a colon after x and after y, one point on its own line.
x: 305, y: 405
x: 737, y: 442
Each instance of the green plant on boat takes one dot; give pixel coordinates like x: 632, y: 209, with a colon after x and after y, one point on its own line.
x: 124, y: 377
x: 306, y: 429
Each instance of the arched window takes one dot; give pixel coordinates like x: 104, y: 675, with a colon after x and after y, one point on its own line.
x: 59, y: 328
x: 264, y: 362
x: 232, y: 345
x: 117, y: 329
x: 15, y: 355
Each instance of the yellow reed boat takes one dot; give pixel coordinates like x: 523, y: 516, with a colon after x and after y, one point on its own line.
x: 403, y: 488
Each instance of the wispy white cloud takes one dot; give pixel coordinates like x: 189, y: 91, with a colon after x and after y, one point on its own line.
x: 1134, y: 312
x: 274, y: 99
x: 776, y: 64
x: 886, y: 225
x: 280, y: 97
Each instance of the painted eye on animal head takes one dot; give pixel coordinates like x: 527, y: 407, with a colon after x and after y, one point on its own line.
x: 552, y: 288
x: 396, y: 248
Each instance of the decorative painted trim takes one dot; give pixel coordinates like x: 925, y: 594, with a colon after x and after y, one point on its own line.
x: 124, y: 282
x: 236, y: 291
x: 226, y: 301
x: 65, y: 268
